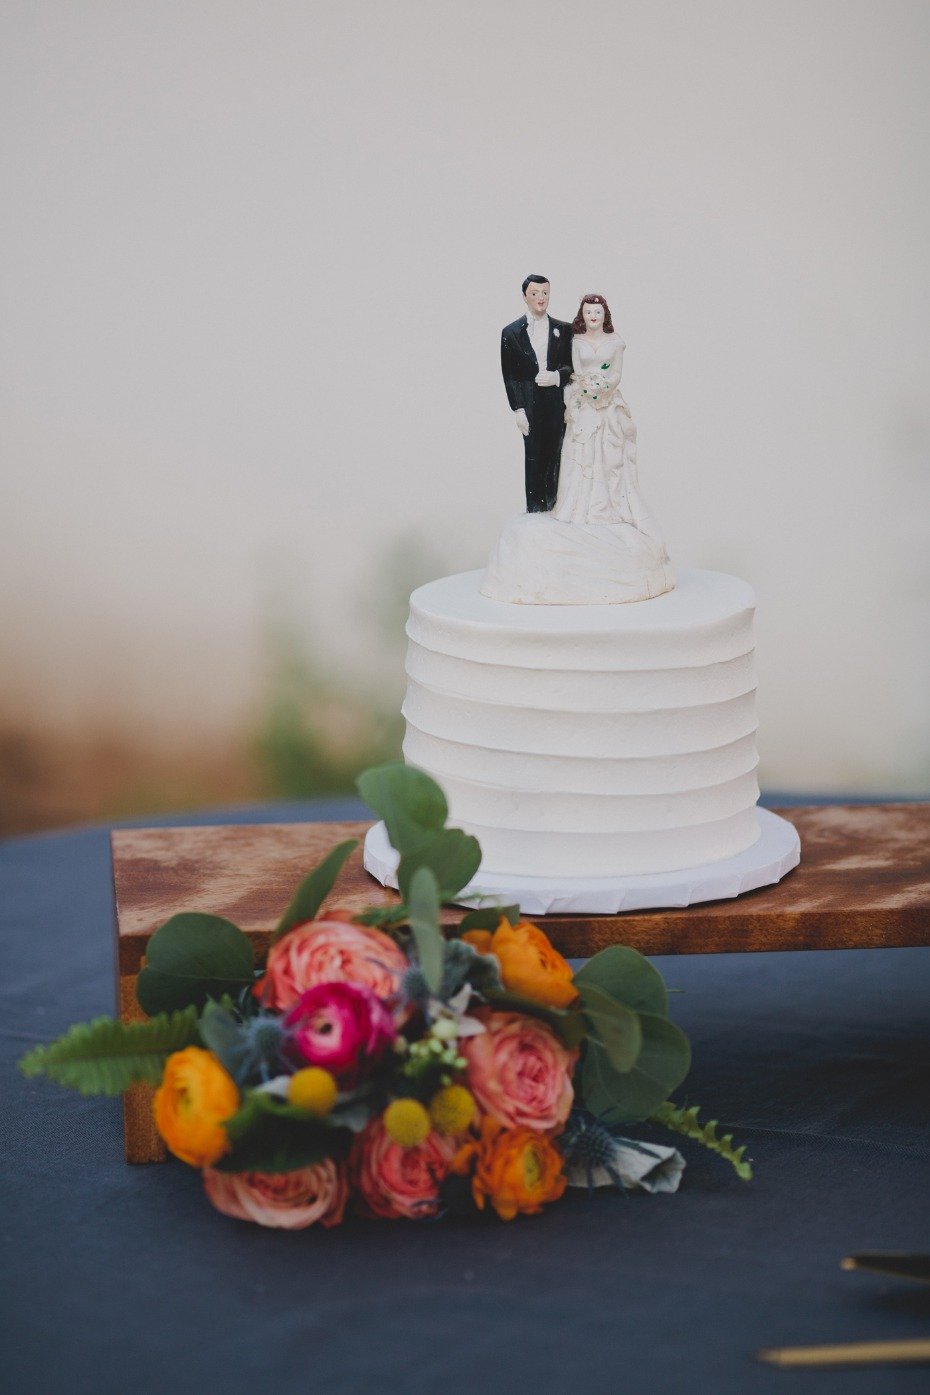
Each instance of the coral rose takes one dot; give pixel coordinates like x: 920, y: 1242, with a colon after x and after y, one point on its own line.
x: 517, y: 1170
x: 192, y: 1102
x: 395, y: 1181
x: 333, y: 950
x: 341, y: 1027
x: 519, y: 1071
x: 529, y: 964
x: 287, y: 1200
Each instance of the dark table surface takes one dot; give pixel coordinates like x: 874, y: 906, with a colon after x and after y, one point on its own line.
x: 121, y: 1279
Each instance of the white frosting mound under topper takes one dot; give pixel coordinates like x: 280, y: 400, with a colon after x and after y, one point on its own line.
x: 541, y: 560
x: 588, y: 740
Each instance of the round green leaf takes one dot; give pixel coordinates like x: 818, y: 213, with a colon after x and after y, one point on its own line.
x: 611, y: 1026
x: 452, y: 856
x: 627, y: 976
x: 626, y: 1098
x: 191, y: 958
x: 408, y: 800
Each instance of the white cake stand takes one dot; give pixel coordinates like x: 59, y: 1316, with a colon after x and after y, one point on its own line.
x: 776, y: 851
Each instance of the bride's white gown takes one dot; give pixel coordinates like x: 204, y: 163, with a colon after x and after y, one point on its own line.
x: 600, y: 544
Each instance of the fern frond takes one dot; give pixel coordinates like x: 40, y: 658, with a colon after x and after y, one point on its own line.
x: 685, y: 1121
x: 106, y: 1056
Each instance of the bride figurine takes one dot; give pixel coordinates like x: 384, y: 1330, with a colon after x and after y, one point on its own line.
x: 599, y: 545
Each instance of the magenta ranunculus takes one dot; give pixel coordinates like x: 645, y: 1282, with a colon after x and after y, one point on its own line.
x: 343, y: 1027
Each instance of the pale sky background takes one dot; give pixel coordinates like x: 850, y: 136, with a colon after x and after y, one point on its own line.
x: 256, y: 258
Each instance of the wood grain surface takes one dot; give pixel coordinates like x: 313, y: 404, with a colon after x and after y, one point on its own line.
x: 864, y: 881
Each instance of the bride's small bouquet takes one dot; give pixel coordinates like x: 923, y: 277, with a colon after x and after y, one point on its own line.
x: 385, y: 1058
x: 595, y: 390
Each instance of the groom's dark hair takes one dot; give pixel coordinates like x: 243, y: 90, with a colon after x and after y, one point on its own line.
x: 543, y: 281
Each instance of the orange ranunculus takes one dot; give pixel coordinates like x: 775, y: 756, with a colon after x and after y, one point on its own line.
x: 517, y: 1170
x: 192, y: 1102
x: 529, y: 964
x: 479, y: 940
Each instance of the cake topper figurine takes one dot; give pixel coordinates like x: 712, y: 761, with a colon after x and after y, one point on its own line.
x: 536, y: 361
x: 587, y: 537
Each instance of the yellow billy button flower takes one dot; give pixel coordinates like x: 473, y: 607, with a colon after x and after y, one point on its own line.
x: 191, y: 1104
x: 452, y: 1109
x: 313, y: 1089
x: 406, y: 1122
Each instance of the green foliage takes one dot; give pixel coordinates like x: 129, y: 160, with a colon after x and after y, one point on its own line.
x: 106, y: 1056
x: 314, y: 889
x: 628, y: 1097
x: 383, y: 916
x: 627, y: 976
x: 191, y: 958
x: 488, y: 918
x: 614, y: 1027
x: 424, y: 924
x: 453, y: 856
x: 317, y: 731
x: 685, y: 1121
x: 270, y: 1135
x: 616, y: 1088
x: 409, y: 801
x: 414, y: 811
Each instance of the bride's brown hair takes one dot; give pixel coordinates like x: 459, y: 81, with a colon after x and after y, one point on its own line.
x: 578, y: 324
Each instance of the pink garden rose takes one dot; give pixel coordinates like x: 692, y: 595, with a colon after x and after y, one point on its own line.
x: 520, y: 1072
x: 394, y: 1181
x: 341, y: 1027
x: 333, y: 950
x: 288, y: 1200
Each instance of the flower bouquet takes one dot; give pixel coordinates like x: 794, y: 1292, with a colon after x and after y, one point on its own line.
x: 595, y: 390
x: 412, y: 1067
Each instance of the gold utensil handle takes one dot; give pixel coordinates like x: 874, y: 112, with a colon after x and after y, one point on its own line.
x: 851, y: 1354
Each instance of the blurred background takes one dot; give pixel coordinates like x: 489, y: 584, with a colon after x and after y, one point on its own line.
x: 256, y: 258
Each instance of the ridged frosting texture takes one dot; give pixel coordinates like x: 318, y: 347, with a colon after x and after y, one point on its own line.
x: 588, y: 740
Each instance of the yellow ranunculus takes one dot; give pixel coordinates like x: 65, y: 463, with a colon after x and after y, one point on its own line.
x: 192, y: 1102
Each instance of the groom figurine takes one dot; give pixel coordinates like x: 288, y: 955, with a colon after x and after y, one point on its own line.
x: 536, y: 361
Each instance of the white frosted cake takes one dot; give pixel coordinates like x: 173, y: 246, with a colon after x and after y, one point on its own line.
x: 588, y: 740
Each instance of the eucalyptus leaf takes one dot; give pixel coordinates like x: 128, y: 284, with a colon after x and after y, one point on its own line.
x: 423, y: 900
x: 613, y: 1027
x: 408, y: 800
x: 191, y: 958
x: 488, y: 918
x: 627, y: 976
x: 453, y: 856
x: 617, y: 1097
x: 314, y: 889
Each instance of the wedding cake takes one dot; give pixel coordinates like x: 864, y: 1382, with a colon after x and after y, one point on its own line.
x: 578, y: 741
x: 589, y: 715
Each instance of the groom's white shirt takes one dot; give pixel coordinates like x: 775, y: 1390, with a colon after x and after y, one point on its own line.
x: 538, y: 330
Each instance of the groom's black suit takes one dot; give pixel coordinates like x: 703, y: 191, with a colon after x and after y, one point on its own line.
x: 544, y: 407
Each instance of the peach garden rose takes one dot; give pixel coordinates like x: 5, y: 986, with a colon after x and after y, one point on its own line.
x: 395, y: 1181
x: 285, y: 1200
x: 519, y: 1071
x: 333, y: 950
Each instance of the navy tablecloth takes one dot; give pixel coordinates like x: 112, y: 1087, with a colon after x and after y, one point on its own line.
x: 120, y: 1279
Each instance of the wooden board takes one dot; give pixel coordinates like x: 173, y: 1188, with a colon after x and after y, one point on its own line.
x: 864, y: 881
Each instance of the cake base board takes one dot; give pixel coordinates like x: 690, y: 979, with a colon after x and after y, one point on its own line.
x: 776, y: 851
